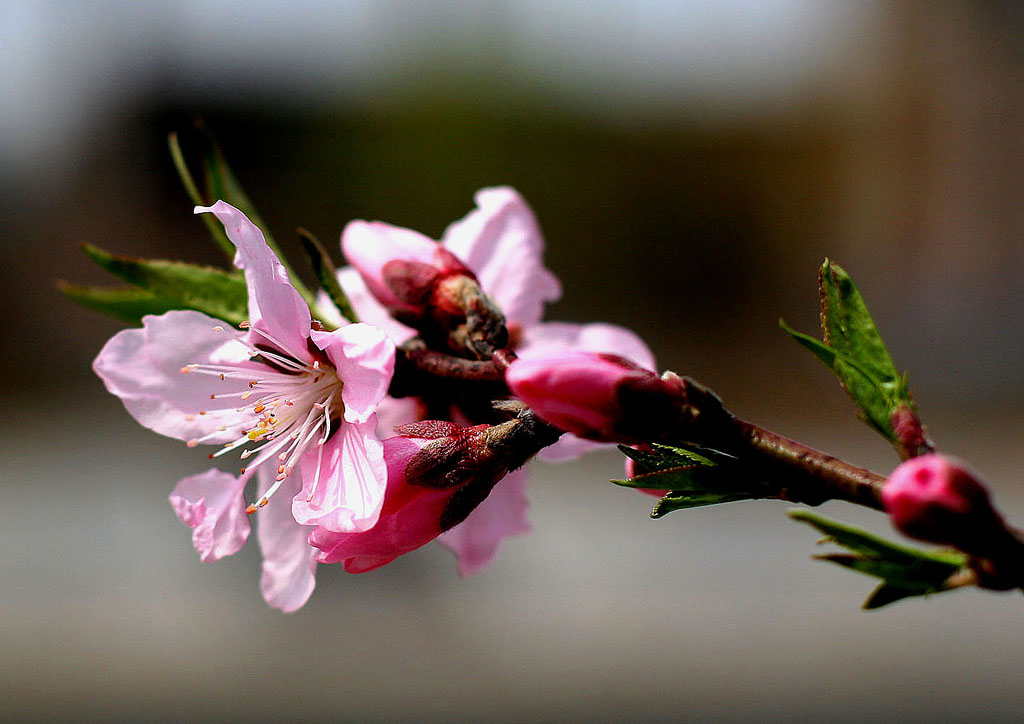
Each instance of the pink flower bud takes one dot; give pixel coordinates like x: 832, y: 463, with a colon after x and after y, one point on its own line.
x: 600, y: 397
x: 400, y: 266
x: 438, y: 472
x: 936, y: 498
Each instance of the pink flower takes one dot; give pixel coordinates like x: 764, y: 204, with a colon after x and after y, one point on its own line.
x: 600, y: 397
x: 501, y: 243
x: 937, y: 498
x: 437, y: 473
x: 294, y: 399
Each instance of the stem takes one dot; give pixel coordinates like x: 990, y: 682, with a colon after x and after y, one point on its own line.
x: 792, y: 471
x: 818, y: 476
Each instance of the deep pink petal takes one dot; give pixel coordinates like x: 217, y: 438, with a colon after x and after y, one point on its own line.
x: 409, y: 519
x: 289, y: 562
x: 213, y: 505
x: 274, y: 306
x: 144, y: 368
x: 369, y: 245
x: 349, y: 492
x: 475, y: 540
x: 501, y: 242
x: 365, y: 360
x: 546, y: 337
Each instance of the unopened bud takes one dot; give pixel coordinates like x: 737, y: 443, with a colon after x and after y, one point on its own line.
x: 426, y: 286
x: 937, y: 499
x: 400, y: 266
x: 600, y: 397
x: 438, y: 473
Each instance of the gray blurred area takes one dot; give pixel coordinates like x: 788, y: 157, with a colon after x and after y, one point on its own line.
x: 691, y: 164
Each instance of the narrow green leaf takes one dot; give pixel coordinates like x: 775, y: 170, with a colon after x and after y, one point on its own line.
x: 904, y: 571
x: 326, y: 273
x: 683, y: 501
x: 128, y: 304
x: 862, y: 541
x: 688, y: 478
x: 664, y: 457
x: 219, y: 293
x: 886, y: 594
x: 215, y: 228
x: 221, y: 183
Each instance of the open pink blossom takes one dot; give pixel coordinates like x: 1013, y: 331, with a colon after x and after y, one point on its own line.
x: 501, y: 243
x: 295, y: 401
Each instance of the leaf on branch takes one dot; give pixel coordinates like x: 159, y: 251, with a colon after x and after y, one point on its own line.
x: 169, y: 285
x: 693, y: 476
x: 128, y: 304
x: 221, y: 184
x: 326, y: 274
x: 905, y: 572
x: 853, y: 349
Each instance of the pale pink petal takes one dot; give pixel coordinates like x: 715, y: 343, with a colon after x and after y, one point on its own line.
x: 369, y: 245
x: 349, y: 491
x: 289, y: 562
x: 213, y: 505
x: 500, y: 241
x: 475, y: 540
x: 392, y: 412
x: 274, y: 305
x: 569, y: 447
x: 365, y: 360
x: 328, y: 311
x: 548, y: 337
x: 143, y: 366
x: 368, y: 309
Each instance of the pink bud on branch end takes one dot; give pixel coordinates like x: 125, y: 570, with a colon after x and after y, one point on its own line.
x: 600, y: 397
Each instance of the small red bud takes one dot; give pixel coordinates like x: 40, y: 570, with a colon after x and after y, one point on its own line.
x: 937, y: 499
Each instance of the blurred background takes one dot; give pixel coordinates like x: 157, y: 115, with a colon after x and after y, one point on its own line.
x: 691, y: 163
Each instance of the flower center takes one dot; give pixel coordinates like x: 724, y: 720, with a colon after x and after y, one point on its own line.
x: 289, y: 406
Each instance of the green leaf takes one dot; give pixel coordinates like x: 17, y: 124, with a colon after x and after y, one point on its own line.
x: 689, y: 478
x: 853, y: 349
x: 214, y: 226
x: 664, y: 457
x: 219, y: 293
x: 693, y: 476
x: 905, y: 571
x: 129, y: 304
x: 326, y: 273
x: 682, y: 500
x: 222, y: 184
